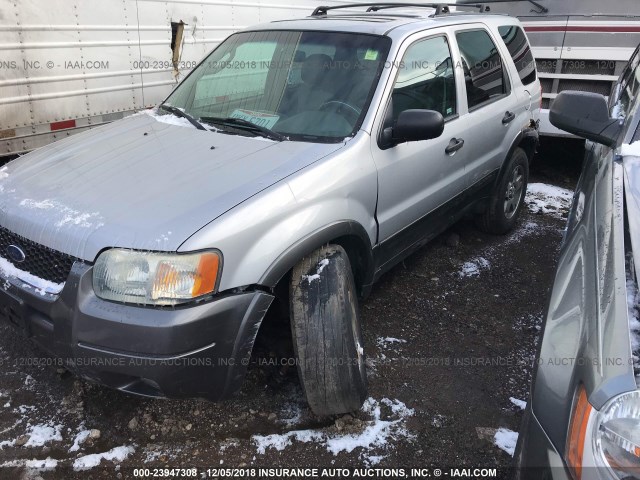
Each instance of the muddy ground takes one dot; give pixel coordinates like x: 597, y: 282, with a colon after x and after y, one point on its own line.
x: 450, y: 335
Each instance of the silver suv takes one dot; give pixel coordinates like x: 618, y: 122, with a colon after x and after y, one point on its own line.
x: 297, y: 163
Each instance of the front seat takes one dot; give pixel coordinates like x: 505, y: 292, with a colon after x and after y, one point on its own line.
x: 310, y: 94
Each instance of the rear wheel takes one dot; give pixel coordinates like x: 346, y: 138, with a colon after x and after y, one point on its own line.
x: 327, y: 337
x: 507, y: 199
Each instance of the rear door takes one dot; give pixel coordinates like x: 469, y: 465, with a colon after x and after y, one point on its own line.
x: 491, y: 110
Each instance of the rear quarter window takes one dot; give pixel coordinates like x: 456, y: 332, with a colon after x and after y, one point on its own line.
x: 518, y: 46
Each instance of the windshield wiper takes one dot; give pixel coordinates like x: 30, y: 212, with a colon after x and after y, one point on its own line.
x: 242, y: 124
x: 179, y: 113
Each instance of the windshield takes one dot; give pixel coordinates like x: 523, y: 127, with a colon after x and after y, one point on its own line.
x: 309, y: 86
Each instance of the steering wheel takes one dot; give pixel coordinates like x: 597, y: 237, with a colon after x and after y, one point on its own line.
x: 349, y: 112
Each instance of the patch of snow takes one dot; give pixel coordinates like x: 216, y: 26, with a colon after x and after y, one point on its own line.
x: 281, y: 441
x: 548, y: 199
x: 165, y: 117
x: 117, y: 454
x: 7, y: 405
x: 66, y: 216
x: 521, y: 404
x: 376, y: 434
x: 38, y: 465
x: 3, y: 172
x: 618, y: 111
x: 506, y: 440
x: 387, y: 342
x: 10, y: 271
x: 80, y: 439
x: 473, y: 267
x: 630, y: 150
x: 41, y: 434
x: 319, y: 268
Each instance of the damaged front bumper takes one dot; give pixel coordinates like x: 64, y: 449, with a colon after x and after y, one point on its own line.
x: 199, y: 350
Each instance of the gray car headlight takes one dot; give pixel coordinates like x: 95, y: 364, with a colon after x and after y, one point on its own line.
x: 617, y: 436
x: 150, y: 278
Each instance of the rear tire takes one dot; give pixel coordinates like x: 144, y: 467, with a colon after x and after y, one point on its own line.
x: 507, y: 198
x: 327, y: 338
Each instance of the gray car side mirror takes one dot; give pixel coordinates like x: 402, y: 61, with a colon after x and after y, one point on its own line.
x: 586, y: 115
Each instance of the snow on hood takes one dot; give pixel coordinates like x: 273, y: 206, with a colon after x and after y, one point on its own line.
x: 139, y: 183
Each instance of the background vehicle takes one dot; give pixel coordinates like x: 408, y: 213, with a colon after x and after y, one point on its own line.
x: 298, y: 163
x: 579, y: 45
x: 583, y: 419
x: 69, y: 65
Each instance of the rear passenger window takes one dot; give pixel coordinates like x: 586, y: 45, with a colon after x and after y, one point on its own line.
x: 516, y: 41
x: 483, y: 69
x: 425, y: 79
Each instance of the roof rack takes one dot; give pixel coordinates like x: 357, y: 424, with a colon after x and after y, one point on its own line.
x: 541, y: 8
x: 441, y: 8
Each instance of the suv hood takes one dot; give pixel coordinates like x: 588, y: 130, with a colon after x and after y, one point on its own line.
x: 139, y: 183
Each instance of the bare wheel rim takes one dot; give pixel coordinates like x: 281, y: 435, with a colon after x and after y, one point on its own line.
x: 514, y: 192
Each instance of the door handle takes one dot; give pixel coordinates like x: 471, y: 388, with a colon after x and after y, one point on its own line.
x: 508, y: 118
x: 454, y: 145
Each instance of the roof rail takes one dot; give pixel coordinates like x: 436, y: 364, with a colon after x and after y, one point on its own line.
x: 441, y: 8
x: 541, y: 8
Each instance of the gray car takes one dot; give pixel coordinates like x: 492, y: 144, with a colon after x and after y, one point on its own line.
x: 294, y: 166
x: 583, y: 420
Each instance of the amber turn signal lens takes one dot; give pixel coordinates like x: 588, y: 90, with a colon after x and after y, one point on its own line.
x: 206, y: 275
x: 577, y: 433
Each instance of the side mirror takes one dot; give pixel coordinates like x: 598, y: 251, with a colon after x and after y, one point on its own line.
x: 586, y: 115
x: 415, y: 125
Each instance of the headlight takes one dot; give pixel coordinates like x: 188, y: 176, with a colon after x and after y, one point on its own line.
x: 617, y: 436
x: 155, y: 278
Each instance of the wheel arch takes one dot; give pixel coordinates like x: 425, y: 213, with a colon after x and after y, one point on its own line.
x: 528, y: 140
x: 349, y: 234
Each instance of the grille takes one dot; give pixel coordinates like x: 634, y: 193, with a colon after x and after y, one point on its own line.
x: 41, y: 261
x: 546, y: 103
x: 547, y: 85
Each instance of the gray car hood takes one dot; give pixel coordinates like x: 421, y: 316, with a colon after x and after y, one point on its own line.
x: 139, y: 183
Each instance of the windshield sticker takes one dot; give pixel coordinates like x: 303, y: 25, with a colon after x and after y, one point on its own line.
x: 261, y: 119
x: 371, y: 55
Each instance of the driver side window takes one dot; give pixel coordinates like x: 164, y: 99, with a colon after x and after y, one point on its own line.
x: 426, y: 79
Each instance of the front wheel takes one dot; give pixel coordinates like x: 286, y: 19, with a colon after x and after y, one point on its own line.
x: 327, y: 338
x: 507, y: 199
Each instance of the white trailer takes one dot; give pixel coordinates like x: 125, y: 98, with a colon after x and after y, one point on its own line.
x: 69, y: 65
x: 578, y: 44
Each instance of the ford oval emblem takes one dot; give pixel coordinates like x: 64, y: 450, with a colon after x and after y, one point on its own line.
x: 15, y: 254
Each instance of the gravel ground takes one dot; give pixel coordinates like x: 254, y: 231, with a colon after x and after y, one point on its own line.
x: 449, y: 334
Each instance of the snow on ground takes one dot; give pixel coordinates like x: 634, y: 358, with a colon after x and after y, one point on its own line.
x: 473, y: 267
x: 37, y: 465
x: 521, y: 404
x: 117, y: 454
x: 548, y: 199
x: 41, y: 434
x: 79, y: 440
x: 389, y: 342
x: 3, y: 172
x: 506, y: 440
x: 40, y: 284
x: 316, y: 276
x: 377, y: 432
